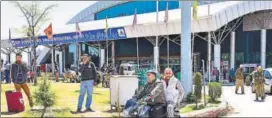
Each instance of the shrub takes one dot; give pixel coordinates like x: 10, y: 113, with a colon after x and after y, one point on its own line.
x: 198, y: 85
x: 215, y: 91
x: 44, y: 96
x: 190, y: 98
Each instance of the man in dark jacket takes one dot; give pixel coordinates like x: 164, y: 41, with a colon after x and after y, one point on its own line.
x: 18, y: 74
x: 88, y: 79
x: 152, y: 94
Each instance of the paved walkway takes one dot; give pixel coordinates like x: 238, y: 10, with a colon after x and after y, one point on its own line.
x: 245, y: 106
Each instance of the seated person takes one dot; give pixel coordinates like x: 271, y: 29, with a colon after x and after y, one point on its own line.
x: 173, y: 90
x: 152, y: 93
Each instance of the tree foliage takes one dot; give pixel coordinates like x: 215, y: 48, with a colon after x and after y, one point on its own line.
x: 44, y: 95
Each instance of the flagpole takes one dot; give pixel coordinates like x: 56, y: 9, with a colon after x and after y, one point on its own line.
x: 167, y: 34
x: 138, y: 60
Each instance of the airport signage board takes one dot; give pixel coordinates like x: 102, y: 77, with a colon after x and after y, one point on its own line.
x: 73, y: 37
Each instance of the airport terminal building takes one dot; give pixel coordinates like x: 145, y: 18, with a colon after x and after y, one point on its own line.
x: 240, y: 33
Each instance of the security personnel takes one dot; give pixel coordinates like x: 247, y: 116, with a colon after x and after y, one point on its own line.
x: 239, y: 78
x: 259, y: 83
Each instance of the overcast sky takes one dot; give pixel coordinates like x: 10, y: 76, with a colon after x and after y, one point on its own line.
x: 11, y: 17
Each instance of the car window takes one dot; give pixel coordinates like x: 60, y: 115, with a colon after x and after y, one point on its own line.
x: 267, y: 75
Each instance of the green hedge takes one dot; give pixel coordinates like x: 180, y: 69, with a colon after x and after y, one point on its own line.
x: 215, y: 91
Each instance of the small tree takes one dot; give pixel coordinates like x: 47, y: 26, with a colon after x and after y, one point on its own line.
x: 44, y: 95
x: 198, y: 86
x: 35, y: 16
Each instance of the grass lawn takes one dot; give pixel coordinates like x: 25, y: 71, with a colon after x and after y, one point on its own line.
x: 67, y: 97
x: 192, y: 106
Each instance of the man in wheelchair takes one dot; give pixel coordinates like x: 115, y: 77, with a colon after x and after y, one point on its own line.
x: 148, y: 102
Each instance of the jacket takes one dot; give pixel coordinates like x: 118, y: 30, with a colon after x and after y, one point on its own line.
x: 88, y: 71
x: 18, y: 73
x: 154, y: 91
x: 174, y: 92
x: 239, y: 74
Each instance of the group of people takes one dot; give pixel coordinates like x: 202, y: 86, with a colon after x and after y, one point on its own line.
x: 160, y: 94
x: 259, y: 82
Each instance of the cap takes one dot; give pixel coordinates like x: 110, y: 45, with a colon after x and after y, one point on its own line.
x: 241, y: 66
x: 152, y: 71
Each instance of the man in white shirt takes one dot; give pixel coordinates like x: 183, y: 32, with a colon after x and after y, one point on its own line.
x: 174, y: 91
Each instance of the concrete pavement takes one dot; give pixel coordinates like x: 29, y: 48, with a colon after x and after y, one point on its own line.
x: 244, y: 105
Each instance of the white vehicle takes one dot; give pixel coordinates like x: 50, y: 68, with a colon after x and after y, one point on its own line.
x: 268, y: 81
x: 129, y: 68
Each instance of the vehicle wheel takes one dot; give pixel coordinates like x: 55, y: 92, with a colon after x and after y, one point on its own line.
x: 252, y: 88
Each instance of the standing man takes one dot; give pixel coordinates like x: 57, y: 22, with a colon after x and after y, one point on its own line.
x: 88, y: 79
x: 56, y: 71
x: 18, y: 74
x: 259, y: 83
x: 217, y: 74
x: 174, y: 91
x: 7, y: 70
x: 239, y: 78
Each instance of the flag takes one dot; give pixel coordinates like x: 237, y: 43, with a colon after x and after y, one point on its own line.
x: 49, y: 32
x: 195, y: 9
x: 78, y: 30
x: 106, y: 27
x: 134, y: 19
x: 166, y: 14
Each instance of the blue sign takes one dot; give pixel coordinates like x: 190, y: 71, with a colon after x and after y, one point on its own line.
x: 73, y: 37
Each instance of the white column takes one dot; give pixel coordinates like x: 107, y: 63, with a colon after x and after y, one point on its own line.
x: 102, y: 57
x: 156, y: 48
x: 156, y: 57
x: 217, y: 53
x: 52, y: 61
x: 209, y: 56
x: 232, y: 50
x: 113, y: 52
x: 263, y: 47
x: 186, y: 60
x: 60, y: 62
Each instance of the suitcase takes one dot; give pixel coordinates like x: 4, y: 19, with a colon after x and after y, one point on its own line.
x: 15, y: 101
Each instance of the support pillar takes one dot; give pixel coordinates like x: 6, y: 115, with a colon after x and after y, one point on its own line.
x: 53, y: 60
x: 102, y: 57
x: 113, y: 53
x: 186, y: 60
x: 156, y: 57
x: 217, y: 53
x: 209, y: 56
x: 263, y: 47
x: 232, y: 50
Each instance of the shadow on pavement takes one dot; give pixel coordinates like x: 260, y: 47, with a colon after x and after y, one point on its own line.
x: 9, y: 113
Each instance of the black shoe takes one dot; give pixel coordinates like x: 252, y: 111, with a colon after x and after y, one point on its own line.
x: 89, y: 110
x: 77, y: 111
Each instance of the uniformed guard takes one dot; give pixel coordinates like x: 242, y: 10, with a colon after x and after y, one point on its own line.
x: 239, y: 78
x: 259, y: 83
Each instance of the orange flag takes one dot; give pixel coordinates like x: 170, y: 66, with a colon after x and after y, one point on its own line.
x: 49, y: 32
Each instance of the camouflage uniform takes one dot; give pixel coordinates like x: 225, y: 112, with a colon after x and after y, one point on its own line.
x: 239, y: 78
x: 259, y: 84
